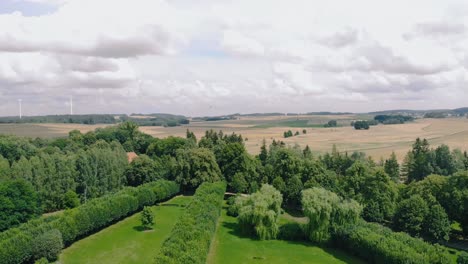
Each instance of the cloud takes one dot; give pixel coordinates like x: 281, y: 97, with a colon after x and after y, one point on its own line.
x: 221, y: 56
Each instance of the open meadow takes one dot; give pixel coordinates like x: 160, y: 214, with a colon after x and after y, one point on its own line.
x: 126, y: 241
x: 379, y: 141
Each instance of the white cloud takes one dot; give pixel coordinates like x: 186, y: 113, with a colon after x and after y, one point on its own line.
x: 220, y: 56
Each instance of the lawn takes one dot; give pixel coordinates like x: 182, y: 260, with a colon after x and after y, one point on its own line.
x: 125, y: 241
x: 229, y: 246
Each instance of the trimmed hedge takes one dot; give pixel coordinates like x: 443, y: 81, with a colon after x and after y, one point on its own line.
x: 44, y: 237
x: 378, y: 244
x: 190, y: 239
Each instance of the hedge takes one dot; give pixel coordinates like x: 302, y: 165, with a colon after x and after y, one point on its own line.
x: 44, y: 237
x: 379, y: 244
x: 190, y: 239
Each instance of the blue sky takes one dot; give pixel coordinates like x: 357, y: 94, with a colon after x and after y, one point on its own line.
x: 26, y: 8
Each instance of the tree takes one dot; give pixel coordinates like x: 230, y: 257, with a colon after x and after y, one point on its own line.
x: 304, y: 131
x: 142, y: 170
x: 331, y: 123
x: 18, y: 203
x: 297, y: 133
x: 359, y: 125
x: 4, y: 168
x: 419, y: 163
x: 259, y: 212
x: 437, y: 225
x: 195, y: 166
x: 392, y: 168
x: 191, y: 136
x: 263, y: 153
x: 71, y: 200
x: 147, y: 218
x: 327, y: 212
x: 444, y: 161
x: 410, y: 215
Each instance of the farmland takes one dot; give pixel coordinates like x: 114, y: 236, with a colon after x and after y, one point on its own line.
x: 377, y: 142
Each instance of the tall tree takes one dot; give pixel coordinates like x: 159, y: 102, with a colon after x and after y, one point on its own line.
x: 392, y: 168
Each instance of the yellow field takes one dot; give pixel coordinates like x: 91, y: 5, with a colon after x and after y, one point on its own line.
x: 377, y: 142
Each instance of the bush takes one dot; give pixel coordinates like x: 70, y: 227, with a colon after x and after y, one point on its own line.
x: 147, y: 219
x: 38, y: 238
x: 378, y: 244
x: 462, y: 258
x: 190, y: 239
x: 48, y: 245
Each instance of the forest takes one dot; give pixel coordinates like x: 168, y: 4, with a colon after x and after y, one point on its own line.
x: 381, y: 211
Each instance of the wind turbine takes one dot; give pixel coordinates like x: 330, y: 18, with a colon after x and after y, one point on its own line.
x: 20, y: 110
x: 71, y: 105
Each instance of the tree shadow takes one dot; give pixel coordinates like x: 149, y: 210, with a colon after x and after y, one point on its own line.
x: 235, y: 230
x: 139, y: 228
x: 173, y: 205
x: 294, y: 211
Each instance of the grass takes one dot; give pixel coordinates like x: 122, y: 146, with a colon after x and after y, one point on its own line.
x: 229, y: 246
x: 126, y: 241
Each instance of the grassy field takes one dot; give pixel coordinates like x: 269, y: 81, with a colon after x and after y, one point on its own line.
x: 229, y: 246
x: 125, y: 241
x: 377, y: 142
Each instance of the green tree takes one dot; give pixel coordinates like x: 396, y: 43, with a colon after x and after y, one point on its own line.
x: 419, y: 163
x: 71, y: 200
x: 4, y: 168
x: 195, y: 166
x: 18, y: 203
x: 142, y: 170
x: 444, y: 161
x: 410, y: 215
x: 437, y: 224
x: 259, y: 212
x: 327, y: 212
x: 147, y: 218
x: 392, y: 168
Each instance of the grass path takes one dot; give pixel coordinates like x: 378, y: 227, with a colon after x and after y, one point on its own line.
x: 229, y: 246
x: 125, y: 241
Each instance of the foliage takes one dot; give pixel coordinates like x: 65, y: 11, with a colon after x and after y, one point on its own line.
x: 327, y: 212
x: 71, y: 200
x: 359, y: 125
x: 147, y: 218
x: 18, y: 245
x: 143, y: 170
x: 194, y: 167
x: 393, y: 119
x: 331, y: 123
x: 191, y: 236
x: 378, y: 244
x: 392, y: 168
x: 259, y: 212
x: 463, y: 258
x: 48, y: 245
x: 410, y: 215
x: 18, y: 203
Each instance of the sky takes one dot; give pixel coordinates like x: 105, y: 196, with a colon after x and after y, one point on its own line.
x: 214, y: 57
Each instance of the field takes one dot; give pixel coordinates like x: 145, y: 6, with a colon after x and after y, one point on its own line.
x: 125, y: 241
x: 377, y: 142
x: 229, y: 246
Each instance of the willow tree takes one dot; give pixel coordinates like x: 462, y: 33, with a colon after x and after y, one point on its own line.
x: 259, y: 213
x: 326, y: 212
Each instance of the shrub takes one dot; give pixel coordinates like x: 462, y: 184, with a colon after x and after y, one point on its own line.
x: 147, y: 219
x: 462, y: 258
x: 378, y: 244
x: 48, y: 245
x: 190, y: 239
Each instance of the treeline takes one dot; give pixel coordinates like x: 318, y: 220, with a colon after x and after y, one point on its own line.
x: 146, y: 120
x: 45, y: 237
x: 393, y: 119
x: 66, y: 119
x: 190, y: 239
x: 166, y: 120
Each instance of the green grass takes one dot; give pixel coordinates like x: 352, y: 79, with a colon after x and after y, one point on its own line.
x: 125, y: 241
x: 229, y: 246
